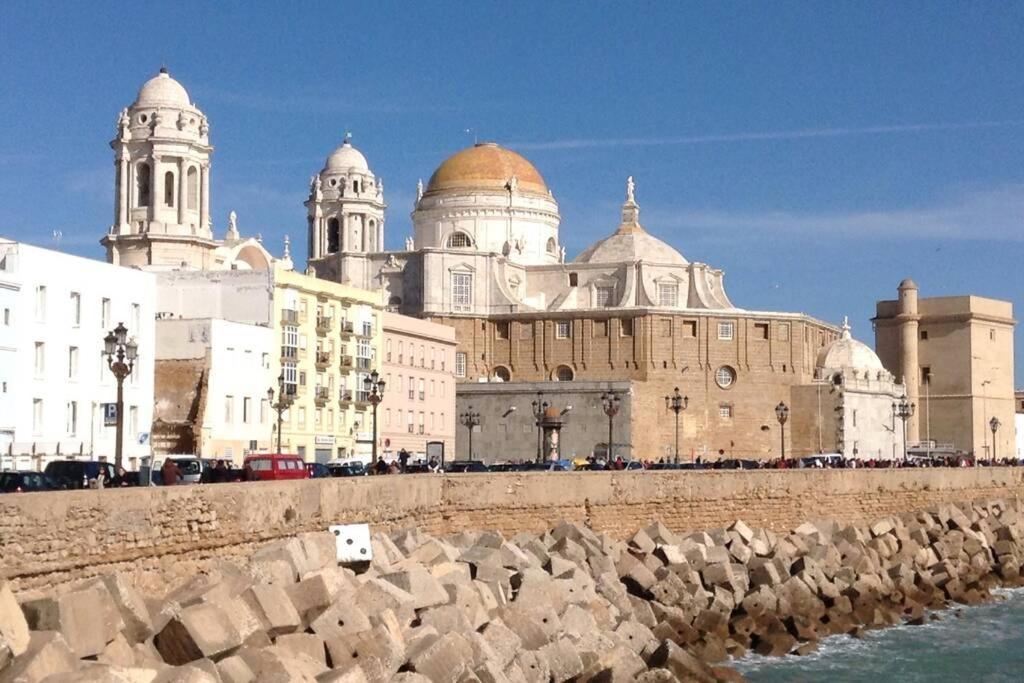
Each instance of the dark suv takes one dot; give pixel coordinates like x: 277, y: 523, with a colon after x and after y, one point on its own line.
x: 76, y: 474
x: 460, y: 466
x: 25, y: 482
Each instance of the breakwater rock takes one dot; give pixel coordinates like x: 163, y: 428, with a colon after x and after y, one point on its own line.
x: 566, y: 605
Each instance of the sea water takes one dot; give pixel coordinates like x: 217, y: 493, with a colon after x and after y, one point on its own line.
x: 984, y: 644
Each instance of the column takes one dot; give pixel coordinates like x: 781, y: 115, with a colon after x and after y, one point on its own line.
x: 204, y: 210
x: 909, y: 366
x: 156, y: 195
x: 181, y: 193
x: 380, y: 233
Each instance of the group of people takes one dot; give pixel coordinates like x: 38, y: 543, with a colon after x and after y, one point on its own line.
x: 401, y: 465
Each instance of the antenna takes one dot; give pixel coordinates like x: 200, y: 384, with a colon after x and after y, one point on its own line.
x: 471, y: 131
x: 57, y: 237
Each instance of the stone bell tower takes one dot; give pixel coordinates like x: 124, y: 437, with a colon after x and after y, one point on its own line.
x: 162, y: 188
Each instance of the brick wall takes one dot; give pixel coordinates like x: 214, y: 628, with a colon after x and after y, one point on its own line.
x: 160, y: 535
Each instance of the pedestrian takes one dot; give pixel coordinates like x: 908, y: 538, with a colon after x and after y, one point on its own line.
x: 170, y: 472
x: 433, y: 464
x: 393, y: 468
x: 382, y: 466
x: 403, y: 459
x: 121, y: 477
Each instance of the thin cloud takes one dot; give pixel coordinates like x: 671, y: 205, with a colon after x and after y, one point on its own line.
x: 354, y: 103
x: 985, y: 214
x: 809, y: 133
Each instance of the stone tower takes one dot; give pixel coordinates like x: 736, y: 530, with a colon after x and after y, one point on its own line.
x: 162, y: 181
x: 345, y: 213
x: 910, y: 375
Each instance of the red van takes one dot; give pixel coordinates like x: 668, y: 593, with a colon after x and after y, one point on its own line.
x: 274, y: 467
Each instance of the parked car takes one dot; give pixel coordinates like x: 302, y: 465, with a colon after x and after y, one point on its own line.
x: 417, y: 468
x: 822, y: 460
x: 76, y: 474
x: 317, y: 470
x: 462, y: 466
x: 25, y: 482
x: 191, y: 467
x: 347, y: 469
x: 275, y: 466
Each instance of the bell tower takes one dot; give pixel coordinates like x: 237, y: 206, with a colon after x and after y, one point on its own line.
x: 162, y: 181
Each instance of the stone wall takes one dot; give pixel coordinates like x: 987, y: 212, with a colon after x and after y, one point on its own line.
x: 160, y: 535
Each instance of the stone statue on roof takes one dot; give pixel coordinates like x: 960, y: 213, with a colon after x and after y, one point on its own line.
x: 630, y: 190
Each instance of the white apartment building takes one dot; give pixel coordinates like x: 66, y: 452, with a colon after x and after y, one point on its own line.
x: 231, y: 364
x: 55, y: 310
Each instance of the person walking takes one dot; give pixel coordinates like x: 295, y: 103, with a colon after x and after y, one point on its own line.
x: 170, y: 472
x: 403, y: 459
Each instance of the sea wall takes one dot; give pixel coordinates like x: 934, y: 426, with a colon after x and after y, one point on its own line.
x: 51, y: 539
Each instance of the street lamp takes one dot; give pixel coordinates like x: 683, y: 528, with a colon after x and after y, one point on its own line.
x: 903, y: 410
x: 782, y: 414
x: 375, y: 394
x: 469, y: 420
x: 539, y: 406
x: 994, y: 424
x: 677, y: 403
x: 610, y: 402
x: 284, y: 402
x: 121, y: 354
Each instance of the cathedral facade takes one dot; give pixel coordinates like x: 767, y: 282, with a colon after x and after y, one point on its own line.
x: 485, y: 258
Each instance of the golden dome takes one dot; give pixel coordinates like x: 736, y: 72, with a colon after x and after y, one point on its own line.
x: 486, y: 166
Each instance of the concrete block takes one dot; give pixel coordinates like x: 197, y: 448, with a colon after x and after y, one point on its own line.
x: 47, y: 654
x: 681, y: 663
x: 203, y: 630
x: 340, y: 619
x: 197, y: 672
x: 118, y: 652
x: 305, y: 644
x: 636, y: 636
x: 503, y: 641
x: 564, y: 663
x: 446, y: 619
x: 14, y: 629
x: 534, y: 666
x: 378, y: 654
x: 234, y: 669
x: 445, y: 659
x: 138, y: 625
x: 88, y: 619
x: 426, y: 591
x: 274, y: 609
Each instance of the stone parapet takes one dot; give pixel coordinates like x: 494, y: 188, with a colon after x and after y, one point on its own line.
x: 158, y: 535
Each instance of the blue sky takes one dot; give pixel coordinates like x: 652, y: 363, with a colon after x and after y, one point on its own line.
x: 818, y: 152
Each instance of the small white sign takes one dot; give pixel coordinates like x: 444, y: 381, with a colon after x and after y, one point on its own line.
x: 322, y: 440
x: 352, y: 542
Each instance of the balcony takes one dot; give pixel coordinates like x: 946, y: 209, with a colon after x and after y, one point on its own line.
x: 422, y: 396
x: 363, y: 363
x: 323, y: 324
x: 412, y: 394
x: 412, y: 429
x: 289, y: 316
x: 421, y: 429
x: 289, y: 353
x: 365, y: 331
x: 345, y: 397
x: 346, y: 361
x: 323, y: 395
x: 323, y: 360
x: 346, y: 328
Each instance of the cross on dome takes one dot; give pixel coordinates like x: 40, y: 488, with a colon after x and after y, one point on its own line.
x: 846, y: 327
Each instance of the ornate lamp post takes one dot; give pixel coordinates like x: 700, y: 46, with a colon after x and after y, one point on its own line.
x: 903, y: 409
x: 782, y: 414
x: 284, y: 402
x: 611, y: 403
x: 994, y: 424
x: 121, y: 354
x: 375, y: 394
x: 539, y: 406
x: 677, y: 403
x: 469, y: 420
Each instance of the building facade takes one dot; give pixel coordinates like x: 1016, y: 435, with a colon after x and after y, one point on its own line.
x: 955, y: 356
x: 211, y: 386
x: 326, y: 339
x: 851, y: 399
x: 419, y: 397
x: 54, y: 380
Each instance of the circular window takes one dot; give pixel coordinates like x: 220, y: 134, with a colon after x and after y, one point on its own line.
x: 143, y: 118
x: 334, y: 181
x: 725, y: 376
x: 564, y: 374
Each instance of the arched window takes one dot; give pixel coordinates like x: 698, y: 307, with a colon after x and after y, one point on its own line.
x: 193, y: 188
x: 502, y: 374
x: 459, y: 240
x: 169, y: 188
x: 371, y: 235
x: 564, y: 374
x: 142, y: 180
x: 333, y: 235
x: 355, y: 186
x: 552, y: 246
x: 394, y: 303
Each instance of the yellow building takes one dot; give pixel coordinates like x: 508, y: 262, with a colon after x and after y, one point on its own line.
x: 329, y: 341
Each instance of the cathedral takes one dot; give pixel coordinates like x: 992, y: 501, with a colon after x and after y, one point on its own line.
x: 485, y: 257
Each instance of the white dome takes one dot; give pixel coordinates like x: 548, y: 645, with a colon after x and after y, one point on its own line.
x: 629, y: 247
x: 347, y: 158
x: 847, y: 352
x: 162, y: 90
